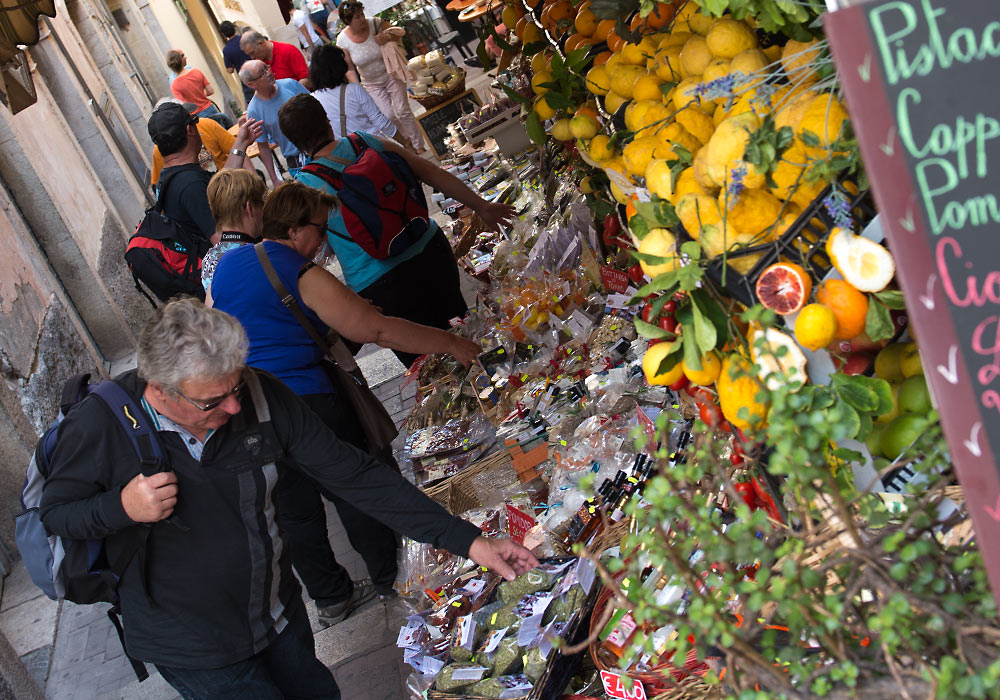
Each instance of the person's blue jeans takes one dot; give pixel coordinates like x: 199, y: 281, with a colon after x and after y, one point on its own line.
x: 212, y: 112
x: 286, y: 670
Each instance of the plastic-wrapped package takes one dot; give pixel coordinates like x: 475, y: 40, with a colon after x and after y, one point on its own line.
x: 515, y: 686
x: 458, y: 675
x: 503, y: 660
x: 528, y: 582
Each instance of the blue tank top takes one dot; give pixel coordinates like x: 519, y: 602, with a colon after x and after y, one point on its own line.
x: 278, y: 343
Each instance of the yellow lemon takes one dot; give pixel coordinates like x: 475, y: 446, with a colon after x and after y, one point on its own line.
x: 637, y: 54
x: 684, y: 95
x: 697, y: 211
x: 655, y: 117
x: 686, y: 183
x: 753, y: 211
x: 700, y: 166
x: 532, y: 34
x: 688, y: 18
x: 791, y: 107
x: 661, y: 243
x: 674, y: 38
x: 540, y: 61
x: 728, y: 37
x: 635, y: 112
x: 695, y: 56
x: 738, y: 389
x: 789, y: 171
x: 697, y: 123
x: 815, y: 326
x: 613, y: 101
x: 668, y: 63
x: 651, y: 361
x: 824, y: 117
x: 598, y: 82
x: 617, y: 193
x: 711, y: 366
x: 799, y: 60
x: 909, y: 361
x: 659, y: 179
x: 638, y: 153
x: 749, y: 62
x: 728, y: 142
x: 561, y: 130
x: 509, y: 16
x: 865, y: 264
x: 675, y: 134
x: 583, y: 126
x: 601, y: 149
x: 623, y: 78
x: 613, y: 62
x: 647, y: 87
x: 543, y: 109
x: 537, y: 79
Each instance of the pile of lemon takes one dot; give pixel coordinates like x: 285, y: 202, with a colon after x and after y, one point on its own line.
x: 672, y: 85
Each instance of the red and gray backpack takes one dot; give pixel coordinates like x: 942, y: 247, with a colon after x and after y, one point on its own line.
x: 381, y: 200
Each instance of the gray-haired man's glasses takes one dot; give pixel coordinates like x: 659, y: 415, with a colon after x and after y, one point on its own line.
x: 216, y: 402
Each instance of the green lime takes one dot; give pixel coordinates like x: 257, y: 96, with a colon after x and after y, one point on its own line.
x: 887, y: 363
x: 874, y: 440
x: 914, y: 396
x: 887, y: 417
x: 909, y: 361
x: 900, y: 434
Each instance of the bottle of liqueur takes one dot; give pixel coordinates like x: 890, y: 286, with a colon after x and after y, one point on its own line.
x: 585, y: 514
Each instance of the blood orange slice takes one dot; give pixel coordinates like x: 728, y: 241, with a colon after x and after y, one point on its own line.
x: 784, y: 287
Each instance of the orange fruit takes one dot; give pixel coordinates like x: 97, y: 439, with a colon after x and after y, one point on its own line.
x: 630, y: 210
x: 661, y: 15
x: 519, y: 27
x: 615, y: 42
x: 601, y: 58
x: 555, y: 13
x: 784, y: 287
x: 576, y: 41
x: 848, y: 304
x: 604, y: 27
x: 585, y: 22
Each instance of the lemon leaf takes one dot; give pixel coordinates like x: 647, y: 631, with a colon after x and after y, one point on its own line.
x: 882, y: 390
x: 891, y: 298
x: 648, y: 330
x: 855, y: 394
x: 692, y: 358
x: 533, y: 125
x: 704, y: 331
x: 671, y: 360
x: 878, y: 322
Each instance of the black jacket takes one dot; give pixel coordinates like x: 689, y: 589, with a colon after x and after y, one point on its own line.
x: 221, y: 590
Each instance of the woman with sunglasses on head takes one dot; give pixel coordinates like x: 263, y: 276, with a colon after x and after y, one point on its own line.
x: 294, y: 229
x: 362, y: 40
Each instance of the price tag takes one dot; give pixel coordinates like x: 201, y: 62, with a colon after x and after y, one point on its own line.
x: 614, y: 280
x: 473, y: 588
x: 426, y: 665
x: 585, y: 570
x: 622, y: 687
x: 409, y: 636
x: 493, y: 640
x: 466, y: 631
x: 518, y: 523
x: 471, y: 673
x: 530, y: 629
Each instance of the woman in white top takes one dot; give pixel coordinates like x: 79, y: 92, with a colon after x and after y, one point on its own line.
x: 308, y: 38
x: 362, y: 40
x: 328, y: 73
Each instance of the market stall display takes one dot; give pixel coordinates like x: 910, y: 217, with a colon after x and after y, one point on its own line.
x: 698, y: 375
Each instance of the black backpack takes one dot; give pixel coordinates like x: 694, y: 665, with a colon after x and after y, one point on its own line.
x: 165, y: 256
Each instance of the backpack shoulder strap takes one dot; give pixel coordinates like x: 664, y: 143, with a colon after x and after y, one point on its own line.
x: 324, y: 173
x: 343, y: 110
x: 73, y: 391
x: 134, y: 420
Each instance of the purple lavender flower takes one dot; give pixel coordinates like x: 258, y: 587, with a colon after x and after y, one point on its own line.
x: 720, y: 87
x: 736, y: 184
x: 839, y: 209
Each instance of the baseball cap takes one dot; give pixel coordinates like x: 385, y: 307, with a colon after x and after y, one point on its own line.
x: 168, y: 124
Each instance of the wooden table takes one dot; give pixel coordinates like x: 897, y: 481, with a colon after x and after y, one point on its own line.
x: 253, y: 150
x: 456, y: 5
x: 475, y: 12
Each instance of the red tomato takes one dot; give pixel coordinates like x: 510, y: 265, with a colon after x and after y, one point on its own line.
x: 680, y: 384
x: 668, y: 323
x: 647, y: 313
x: 709, y: 414
x: 669, y: 307
x: 636, y: 274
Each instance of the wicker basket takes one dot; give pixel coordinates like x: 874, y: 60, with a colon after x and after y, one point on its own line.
x: 471, y: 487
x: 428, y: 101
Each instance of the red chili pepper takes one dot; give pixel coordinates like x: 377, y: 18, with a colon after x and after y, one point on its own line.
x: 746, y: 493
x: 765, y: 500
x: 709, y: 414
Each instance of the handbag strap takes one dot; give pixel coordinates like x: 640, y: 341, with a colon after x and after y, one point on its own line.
x: 338, y: 353
x: 343, y: 110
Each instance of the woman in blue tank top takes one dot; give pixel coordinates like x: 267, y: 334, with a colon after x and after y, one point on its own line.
x: 294, y: 227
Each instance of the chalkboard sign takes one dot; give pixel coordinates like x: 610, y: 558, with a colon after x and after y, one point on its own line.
x: 434, y: 122
x: 920, y: 80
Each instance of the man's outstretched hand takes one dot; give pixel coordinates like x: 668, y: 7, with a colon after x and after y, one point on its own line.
x: 505, y: 557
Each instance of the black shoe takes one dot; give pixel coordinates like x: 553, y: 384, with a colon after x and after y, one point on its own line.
x: 473, y: 62
x: 338, y: 612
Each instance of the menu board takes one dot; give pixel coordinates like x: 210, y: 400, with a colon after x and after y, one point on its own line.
x: 920, y: 77
x: 434, y: 122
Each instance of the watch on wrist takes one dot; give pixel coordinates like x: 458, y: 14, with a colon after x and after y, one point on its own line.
x: 238, y: 152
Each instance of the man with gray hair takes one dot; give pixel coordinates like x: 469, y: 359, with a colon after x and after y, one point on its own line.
x: 284, y: 60
x: 269, y: 95
x: 210, y: 599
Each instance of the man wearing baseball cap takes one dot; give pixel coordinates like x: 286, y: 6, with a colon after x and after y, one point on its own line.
x: 183, y: 183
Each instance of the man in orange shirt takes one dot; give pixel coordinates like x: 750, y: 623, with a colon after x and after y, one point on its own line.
x: 285, y: 60
x: 216, y: 144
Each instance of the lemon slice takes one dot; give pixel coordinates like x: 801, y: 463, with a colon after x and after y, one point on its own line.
x: 865, y: 264
x: 778, y: 367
